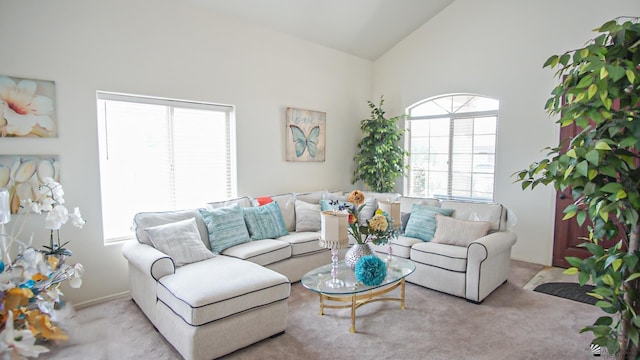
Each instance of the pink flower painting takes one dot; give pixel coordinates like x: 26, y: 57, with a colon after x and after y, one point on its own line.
x: 27, y: 108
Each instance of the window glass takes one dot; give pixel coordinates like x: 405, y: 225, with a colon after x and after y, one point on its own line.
x: 161, y: 155
x: 452, y: 156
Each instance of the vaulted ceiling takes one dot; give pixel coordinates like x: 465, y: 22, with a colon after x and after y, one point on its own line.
x: 364, y: 28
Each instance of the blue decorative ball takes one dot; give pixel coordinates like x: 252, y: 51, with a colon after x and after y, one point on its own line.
x: 370, y: 270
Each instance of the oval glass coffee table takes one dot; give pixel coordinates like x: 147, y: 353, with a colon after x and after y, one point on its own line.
x: 354, y: 293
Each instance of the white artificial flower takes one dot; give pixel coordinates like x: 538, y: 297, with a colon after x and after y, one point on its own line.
x: 75, y: 278
x: 32, y: 261
x: 63, y: 317
x: 47, y: 204
x: 18, y: 344
x: 57, y: 217
x: 6, y: 280
x: 76, y: 218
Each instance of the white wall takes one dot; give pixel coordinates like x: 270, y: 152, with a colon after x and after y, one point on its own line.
x: 497, y: 48
x: 178, y: 50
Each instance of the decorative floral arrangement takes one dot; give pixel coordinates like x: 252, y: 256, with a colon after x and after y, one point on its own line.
x: 32, y: 312
x: 370, y: 270
x: 377, y: 230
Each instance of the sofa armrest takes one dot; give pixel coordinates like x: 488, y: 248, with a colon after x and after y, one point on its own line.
x: 488, y: 260
x: 148, y: 259
x: 491, y: 244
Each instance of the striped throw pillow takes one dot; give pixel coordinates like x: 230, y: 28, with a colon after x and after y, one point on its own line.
x: 265, y: 222
x: 226, y: 227
x: 422, y: 222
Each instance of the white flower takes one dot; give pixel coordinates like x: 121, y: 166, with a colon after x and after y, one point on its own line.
x: 33, y: 263
x: 56, y: 217
x: 75, y: 277
x: 76, y: 218
x: 23, y: 109
x: 18, y: 343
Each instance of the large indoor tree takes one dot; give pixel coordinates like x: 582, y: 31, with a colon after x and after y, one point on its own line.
x: 598, y: 92
x: 380, y: 159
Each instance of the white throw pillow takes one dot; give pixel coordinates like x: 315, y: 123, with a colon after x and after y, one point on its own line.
x: 307, y: 216
x: 180, y: 240
x: 458, y: 232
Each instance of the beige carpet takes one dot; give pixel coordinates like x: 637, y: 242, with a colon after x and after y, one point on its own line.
x: 512, y: 323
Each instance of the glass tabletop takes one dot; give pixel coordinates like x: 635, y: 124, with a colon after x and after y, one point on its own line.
x: 397, y: 269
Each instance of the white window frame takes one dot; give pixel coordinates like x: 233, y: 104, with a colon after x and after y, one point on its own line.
x: 452, y: 116
x: 230, y: 176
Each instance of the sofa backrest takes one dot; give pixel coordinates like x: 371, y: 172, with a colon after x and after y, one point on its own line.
x: 143, y: 220
x: 287, y: 202
x: 406, y: 203
x: 496, y: 214
x: 244, y: 201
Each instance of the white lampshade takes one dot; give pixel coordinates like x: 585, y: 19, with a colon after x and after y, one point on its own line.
x: 5, y: 210
x: 392, y: 208
x: 333, y: 231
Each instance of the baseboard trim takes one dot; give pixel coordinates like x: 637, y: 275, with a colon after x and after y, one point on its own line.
x: 102, y: 299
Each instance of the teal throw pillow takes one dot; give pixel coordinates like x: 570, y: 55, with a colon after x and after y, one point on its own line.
x: 265, y: 222
x: 226, y: 227
x: 422, y: 222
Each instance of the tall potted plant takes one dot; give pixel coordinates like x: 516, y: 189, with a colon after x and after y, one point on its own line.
x: 380, y: 159
x: 599, y: 93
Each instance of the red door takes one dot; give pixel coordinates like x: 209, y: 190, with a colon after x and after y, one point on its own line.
x: 567, y: 233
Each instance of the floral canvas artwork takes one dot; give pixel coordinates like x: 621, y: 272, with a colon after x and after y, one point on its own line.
x: 22, y: 175
x: 27, y: 108
x: 305, y: 135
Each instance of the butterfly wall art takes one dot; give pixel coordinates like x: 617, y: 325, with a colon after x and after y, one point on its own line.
x: 305, y: 135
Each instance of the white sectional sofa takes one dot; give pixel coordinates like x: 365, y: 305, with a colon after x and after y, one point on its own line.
x: 208, y: 305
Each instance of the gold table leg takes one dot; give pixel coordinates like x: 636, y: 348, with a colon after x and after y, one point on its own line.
x: 402, y: 294
x: 353, y: 314
x: 358, y: 299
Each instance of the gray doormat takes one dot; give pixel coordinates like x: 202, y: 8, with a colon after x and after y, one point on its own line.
x: 567, y: 290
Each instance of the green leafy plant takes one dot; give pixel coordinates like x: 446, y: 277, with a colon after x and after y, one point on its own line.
x: 599, y: 93
x: 380, y: 160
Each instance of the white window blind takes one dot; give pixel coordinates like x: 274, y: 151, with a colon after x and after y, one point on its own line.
x: 161, y: 154
x: 451, y: 145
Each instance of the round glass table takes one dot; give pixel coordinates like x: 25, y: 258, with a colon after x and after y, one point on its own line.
x: 354, y: 293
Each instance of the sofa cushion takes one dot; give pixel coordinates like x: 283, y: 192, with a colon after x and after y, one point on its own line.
x: 264, y: 222
x: 180, y: 240
x: 313, y: 197
x: 406, y: 202
x: 458, y: 232
x: 144, y: 220
x: 263, y: 252
x: 302, y: 242
x: 383, y: 196
x: 286, y: 202
x: 422, y: 222
x: 401, y: 246
x: 452, y: 258
x: 493, y: 213
x: 368, y: 210
x: 226, y: 227
x: 307, y: 216
x: 243, y: 202
x: 237, y: 286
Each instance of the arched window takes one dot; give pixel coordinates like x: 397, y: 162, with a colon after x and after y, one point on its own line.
x: 451, y: 142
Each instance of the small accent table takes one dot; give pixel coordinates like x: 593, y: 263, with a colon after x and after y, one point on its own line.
x: 355, y: 293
